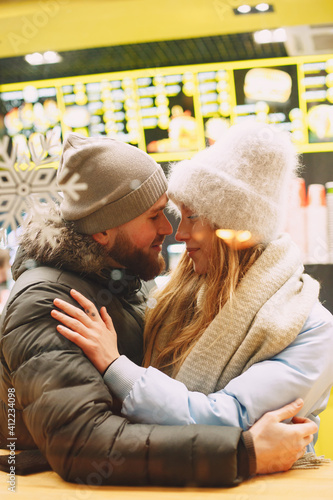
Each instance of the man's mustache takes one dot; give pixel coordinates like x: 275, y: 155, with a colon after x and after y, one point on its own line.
x: 160, y: 241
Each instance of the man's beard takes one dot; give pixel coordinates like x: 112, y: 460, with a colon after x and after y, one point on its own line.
x: 134, y: 259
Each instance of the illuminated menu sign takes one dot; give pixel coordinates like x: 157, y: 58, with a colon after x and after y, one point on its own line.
x: 216, y: 102
x: 103, y: 108
x: 269, y: 94
x: 32, y: 111
x: 317, y: 93
x: 173, y: 112
x: 168, y: 113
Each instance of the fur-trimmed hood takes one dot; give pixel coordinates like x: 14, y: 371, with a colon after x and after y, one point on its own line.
x: 48, y: 240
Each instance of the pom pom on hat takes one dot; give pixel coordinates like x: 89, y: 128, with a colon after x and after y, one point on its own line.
x: 241, y: 182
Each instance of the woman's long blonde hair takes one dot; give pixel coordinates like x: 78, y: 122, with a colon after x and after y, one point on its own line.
x: 178, y: 317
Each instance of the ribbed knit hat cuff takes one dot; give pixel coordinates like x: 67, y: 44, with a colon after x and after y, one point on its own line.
x: 126, y: 208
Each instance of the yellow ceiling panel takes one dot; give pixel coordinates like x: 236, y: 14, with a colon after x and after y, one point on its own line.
x: 29, y: 26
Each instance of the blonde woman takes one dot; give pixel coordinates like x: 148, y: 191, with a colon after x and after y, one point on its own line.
x: 238, y: 330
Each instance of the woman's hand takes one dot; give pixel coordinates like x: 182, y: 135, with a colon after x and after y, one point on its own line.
x: 94, y: 333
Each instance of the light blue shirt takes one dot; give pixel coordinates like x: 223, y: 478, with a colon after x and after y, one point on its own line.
x: 304, y: 369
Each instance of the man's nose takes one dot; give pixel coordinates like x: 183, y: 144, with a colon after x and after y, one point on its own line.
x: 165, y: 227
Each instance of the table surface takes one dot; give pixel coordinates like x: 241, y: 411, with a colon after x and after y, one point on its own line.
x: 302, y: 484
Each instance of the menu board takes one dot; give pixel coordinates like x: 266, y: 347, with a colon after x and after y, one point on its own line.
x: 216, y: 102
x: 102, y: 108
x: 168, y: 113
x: 173, y: 112
x: 317, y: 93
x: 269, y: 94
x: 32, y: 111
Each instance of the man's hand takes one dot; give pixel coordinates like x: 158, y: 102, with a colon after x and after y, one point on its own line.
x: 278, y: 445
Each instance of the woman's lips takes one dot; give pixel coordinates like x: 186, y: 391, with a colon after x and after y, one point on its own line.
x: 191, y: 251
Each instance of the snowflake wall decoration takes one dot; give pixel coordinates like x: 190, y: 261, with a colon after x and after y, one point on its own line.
x: 31, y: 171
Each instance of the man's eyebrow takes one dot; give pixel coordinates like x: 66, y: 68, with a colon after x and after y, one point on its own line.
x: 157, y: 209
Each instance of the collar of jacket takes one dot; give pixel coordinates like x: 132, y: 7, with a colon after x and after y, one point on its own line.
x: 47, y: 240
x: 119, y: 281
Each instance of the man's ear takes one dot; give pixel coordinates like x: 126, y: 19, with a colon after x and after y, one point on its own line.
x: 105, y: 237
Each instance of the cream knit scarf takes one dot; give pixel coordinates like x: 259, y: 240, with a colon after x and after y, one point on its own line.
x: 268, y: 309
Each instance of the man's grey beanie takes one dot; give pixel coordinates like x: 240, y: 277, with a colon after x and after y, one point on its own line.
x: 122, y: 182
x: 241, y: 182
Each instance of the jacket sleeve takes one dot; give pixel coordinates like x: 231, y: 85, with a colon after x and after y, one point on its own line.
x: 68, y: 411
x: 304, y: 369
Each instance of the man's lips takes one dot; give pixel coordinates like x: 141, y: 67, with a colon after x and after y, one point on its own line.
x: 157, y: 245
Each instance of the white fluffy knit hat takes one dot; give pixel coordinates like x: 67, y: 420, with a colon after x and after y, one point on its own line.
x: 241, y: 182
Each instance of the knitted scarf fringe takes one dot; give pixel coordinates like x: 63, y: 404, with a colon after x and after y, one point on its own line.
x: 310, y: 461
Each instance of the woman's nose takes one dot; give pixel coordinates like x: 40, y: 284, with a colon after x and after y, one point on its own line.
x: 182, y: 233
